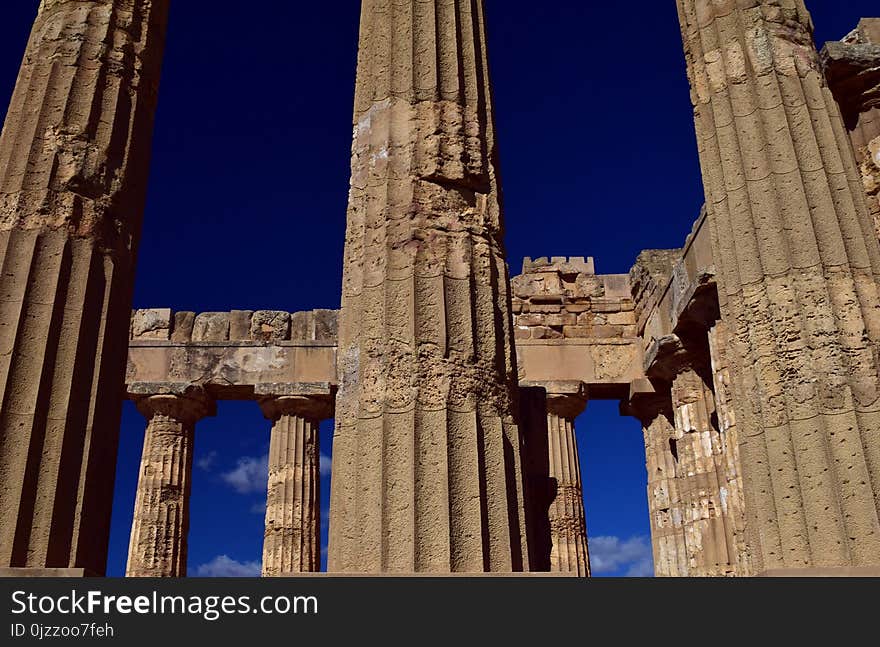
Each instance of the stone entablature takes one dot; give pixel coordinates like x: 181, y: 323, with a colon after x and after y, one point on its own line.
x: 574, y: 325
x: 237, y: 355
x: 563, y: 298
x: 689, y: 295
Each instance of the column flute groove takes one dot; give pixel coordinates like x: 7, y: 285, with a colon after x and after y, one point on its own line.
x: 799, y: 263
x: 74, y: 156
x: 426, y: 436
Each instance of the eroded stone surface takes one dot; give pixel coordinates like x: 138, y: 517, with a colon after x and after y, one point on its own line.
x: 158, y: 545
x: 800, y: 300
x: 426, y: 364
x: 292, y: 542
x: 74, y: 155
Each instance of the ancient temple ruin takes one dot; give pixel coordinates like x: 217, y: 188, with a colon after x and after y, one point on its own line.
x: 749, y: 355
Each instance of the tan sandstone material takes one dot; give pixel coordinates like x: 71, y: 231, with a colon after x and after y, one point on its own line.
x: 426, y: 460
x: 798, y: 264
x: 74, y: 155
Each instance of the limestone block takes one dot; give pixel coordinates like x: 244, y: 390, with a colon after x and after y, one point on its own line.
x: 588, y: 285
x: 326, y: 325
x: 577, y: 331
x: 183, y: 326
x: 240, y: 325
x: 532, y: 319
x: 302, y: 326
x: 151, y: 324
x: 545, y: 332
x: 211, y: 326
x: 616, y: 285
x: 561, y: 319
x: 606, y: 305
x: 622, y: 318
x: 269, y: 325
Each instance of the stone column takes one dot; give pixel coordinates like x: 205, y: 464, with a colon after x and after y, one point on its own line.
x: 652, y: 406
x: 159, y: 530
x: 799, y: 265
x: 292, y: 541
x: 697, y: 444
x: 74, y: 154
x: 427, y: 473
x: 732, y: 501
x: 568, y: 526
x: 852, y: 69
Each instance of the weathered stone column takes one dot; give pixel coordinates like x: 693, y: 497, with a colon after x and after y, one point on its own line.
x: 292, y: 541
x: 159, y: 530
x: 568, y: 526
x: 708, y: 539
x: 732, y: 501
x: 799, y: 268
x: 74, y: 154
x: 652, y: 406
x: 427, y: 473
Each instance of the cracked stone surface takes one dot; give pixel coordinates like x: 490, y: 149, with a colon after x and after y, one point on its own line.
x: 74, y: 155
x: 798, y: 267
x: 426, y: 461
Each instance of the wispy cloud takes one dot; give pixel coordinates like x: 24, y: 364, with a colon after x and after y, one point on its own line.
x: 206, y: 463
x: 250, y: 474
x: 632, y: 556
x: 259, y: 507
x: 225, y: 566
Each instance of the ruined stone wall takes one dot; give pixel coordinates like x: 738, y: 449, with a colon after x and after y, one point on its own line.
x: 852, y: 68
x: 563, y: 298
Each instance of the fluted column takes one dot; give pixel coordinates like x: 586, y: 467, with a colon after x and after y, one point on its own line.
x: 732, y: 499
x: 292, y: 542
x: 568, y: 526
x: 427, y: 473
x: 74, y: 154
x: 701, y: 485
x: 160, y: 527
x: 653, y: 408
x: 798, y: 269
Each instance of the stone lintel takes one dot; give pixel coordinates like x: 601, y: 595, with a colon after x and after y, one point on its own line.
x: 305, y: 389
x: 310, y: 407
x: 186, y: 403
x: 560, y: 387
x: 647, y: 399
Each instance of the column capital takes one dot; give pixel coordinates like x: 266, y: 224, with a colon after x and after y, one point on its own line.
x: 647, y: 400
x: 674, y: 354
x: 566, y: 399
x: 310, y: 407
x: 189, y: 406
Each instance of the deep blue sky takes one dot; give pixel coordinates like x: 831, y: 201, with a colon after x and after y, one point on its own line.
x: 250, y: 177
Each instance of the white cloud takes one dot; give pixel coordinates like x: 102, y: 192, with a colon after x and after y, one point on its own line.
x: 633, y: 556
x: 259, y: 508
x: 225, y: 566
x: 206, y: 463
x: 251, y: 474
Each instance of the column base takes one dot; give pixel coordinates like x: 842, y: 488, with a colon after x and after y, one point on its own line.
x: 839, y: 571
